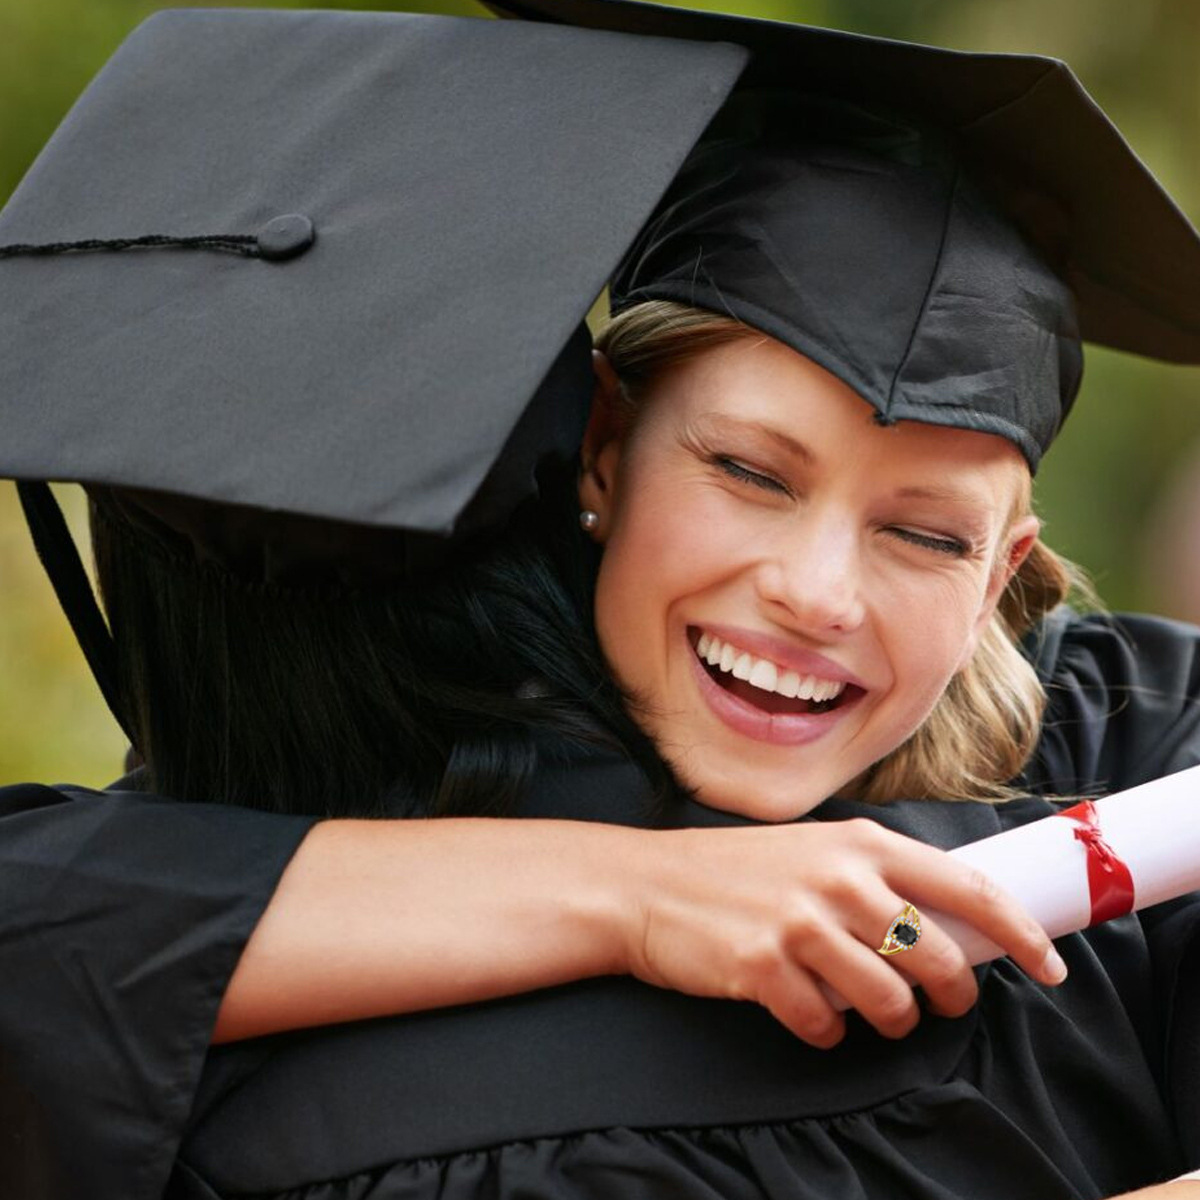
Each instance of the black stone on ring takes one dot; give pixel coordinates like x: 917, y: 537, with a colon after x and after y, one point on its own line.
x: 903, y: 932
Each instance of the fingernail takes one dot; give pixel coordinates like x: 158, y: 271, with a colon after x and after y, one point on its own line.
x: 1054, y: 970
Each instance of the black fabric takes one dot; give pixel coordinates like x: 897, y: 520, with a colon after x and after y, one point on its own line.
x: 471, y: 184
x: 791, y: 204
x: 605, y: 1087
x: 121, y: 919
x: 282, y: 549
x: 1124, y: 702
x: 1040, y: 146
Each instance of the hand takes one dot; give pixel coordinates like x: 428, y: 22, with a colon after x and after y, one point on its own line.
x: 766, y: 913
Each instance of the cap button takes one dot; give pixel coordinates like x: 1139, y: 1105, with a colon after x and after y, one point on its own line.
x: 285, y: 237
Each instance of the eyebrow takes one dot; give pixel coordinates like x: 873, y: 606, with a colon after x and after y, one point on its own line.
x: 794, y: 447
x: 949, y: 495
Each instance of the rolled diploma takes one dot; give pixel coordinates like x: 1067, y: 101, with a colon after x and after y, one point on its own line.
x: 1154, y: 828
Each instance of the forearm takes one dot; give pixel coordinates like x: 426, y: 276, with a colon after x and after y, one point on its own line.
x: 379, y: 917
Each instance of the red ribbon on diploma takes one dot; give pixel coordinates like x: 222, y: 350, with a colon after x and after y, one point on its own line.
x: 1109, y: 881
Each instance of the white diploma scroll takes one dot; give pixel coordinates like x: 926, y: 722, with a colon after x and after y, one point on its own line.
x: 1153, y: 828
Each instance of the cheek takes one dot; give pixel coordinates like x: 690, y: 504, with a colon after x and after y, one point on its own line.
x: 929, y: 628
x: 666, y: 544
x: 670, y: 524
x: 634, y: 580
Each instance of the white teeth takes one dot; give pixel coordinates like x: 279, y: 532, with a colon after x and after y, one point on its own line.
x: 764, y: 674
x: 788, y: 685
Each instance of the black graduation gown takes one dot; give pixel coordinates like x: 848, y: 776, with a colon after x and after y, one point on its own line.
x: 115, y: 958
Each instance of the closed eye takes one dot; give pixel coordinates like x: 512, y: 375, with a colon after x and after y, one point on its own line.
x: 951, y: 546
x: 735, y: 470
x: 954, y: 547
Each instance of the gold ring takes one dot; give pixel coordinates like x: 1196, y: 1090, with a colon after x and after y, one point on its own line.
x: 903, y: 932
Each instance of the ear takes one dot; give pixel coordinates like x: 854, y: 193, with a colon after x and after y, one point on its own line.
x: 1018, y: 542
x: 600, y: 453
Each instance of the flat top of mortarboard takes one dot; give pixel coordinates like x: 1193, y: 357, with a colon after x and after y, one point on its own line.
x: 1026, y: 129
x: 401, y: 221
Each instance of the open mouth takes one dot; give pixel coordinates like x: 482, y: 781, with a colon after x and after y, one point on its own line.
x: 765, y: 685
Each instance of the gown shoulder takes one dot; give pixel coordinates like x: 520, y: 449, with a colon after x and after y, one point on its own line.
x: 1123, y: 701
x: 122, y: 917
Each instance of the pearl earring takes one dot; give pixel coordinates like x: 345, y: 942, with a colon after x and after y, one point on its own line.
x: 589, y: 521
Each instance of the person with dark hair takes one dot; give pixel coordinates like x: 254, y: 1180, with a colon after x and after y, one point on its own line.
x: 780, y: 635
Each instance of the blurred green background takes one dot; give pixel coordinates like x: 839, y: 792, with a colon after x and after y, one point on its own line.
x: 1119, y: 493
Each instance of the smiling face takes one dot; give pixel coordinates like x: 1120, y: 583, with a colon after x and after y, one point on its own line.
x: 787, y: 587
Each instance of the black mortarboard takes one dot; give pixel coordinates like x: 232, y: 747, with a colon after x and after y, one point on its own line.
x: 467, y: 186
x: 936, y: 228
x: 854, y: 237
x: 328, y: 265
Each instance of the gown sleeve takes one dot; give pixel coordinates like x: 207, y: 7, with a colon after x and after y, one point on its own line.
x: 122, y: 917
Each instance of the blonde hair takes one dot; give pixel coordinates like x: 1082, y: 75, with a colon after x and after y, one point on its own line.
x: 984, y: 727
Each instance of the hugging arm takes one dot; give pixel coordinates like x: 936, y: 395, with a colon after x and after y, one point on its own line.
x: 388, y: 917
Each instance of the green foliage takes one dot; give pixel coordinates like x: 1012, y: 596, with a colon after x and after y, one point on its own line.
x: 1136, y: 427
x: 53, y: 723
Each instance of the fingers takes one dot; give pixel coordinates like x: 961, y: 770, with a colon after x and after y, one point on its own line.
x: 846, y: 958
x: 936, y: 964
x: 793, y: 998
x: 928, y: 876
x: 870, y: 985
x: 772, y: 915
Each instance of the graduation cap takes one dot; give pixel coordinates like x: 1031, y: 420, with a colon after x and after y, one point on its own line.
x: 1044, y: 152
x: 325, y: 267
x: 936, y: 228
x: 380, y: 233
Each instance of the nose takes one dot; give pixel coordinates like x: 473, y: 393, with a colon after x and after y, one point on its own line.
x: 812, y: 579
